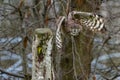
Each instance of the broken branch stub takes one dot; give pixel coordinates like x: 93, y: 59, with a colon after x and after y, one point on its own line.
x: 41, y: 49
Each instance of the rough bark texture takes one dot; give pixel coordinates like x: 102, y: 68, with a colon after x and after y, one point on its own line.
x: 77, y: 57
x: 75, y: 62
x: 42, y: 46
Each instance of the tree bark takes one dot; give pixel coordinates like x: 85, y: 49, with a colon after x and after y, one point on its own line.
x: 42, y: 46
x: 77, y: 57
x: 74, y: 62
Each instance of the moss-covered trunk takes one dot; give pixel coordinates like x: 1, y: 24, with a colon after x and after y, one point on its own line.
x: 77, y: 56
x: 76, y: 60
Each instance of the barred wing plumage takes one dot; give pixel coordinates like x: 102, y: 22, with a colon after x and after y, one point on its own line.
x: 58, y: 33
x: 94, y: 23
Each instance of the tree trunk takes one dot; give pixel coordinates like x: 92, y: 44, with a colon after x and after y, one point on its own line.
x: 42, y: 46
x: 75, y: 59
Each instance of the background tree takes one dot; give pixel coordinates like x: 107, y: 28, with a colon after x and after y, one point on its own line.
x: 20, y: 18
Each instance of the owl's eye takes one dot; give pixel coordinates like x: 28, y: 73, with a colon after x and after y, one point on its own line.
x: 74, y: 32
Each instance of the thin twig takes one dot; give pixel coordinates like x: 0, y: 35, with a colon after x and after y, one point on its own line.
x: 73, y: 52
x: 79, y: 59
x: 11, y: 74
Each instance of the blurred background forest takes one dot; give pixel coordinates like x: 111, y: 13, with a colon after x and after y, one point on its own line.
x: 19, y: 19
